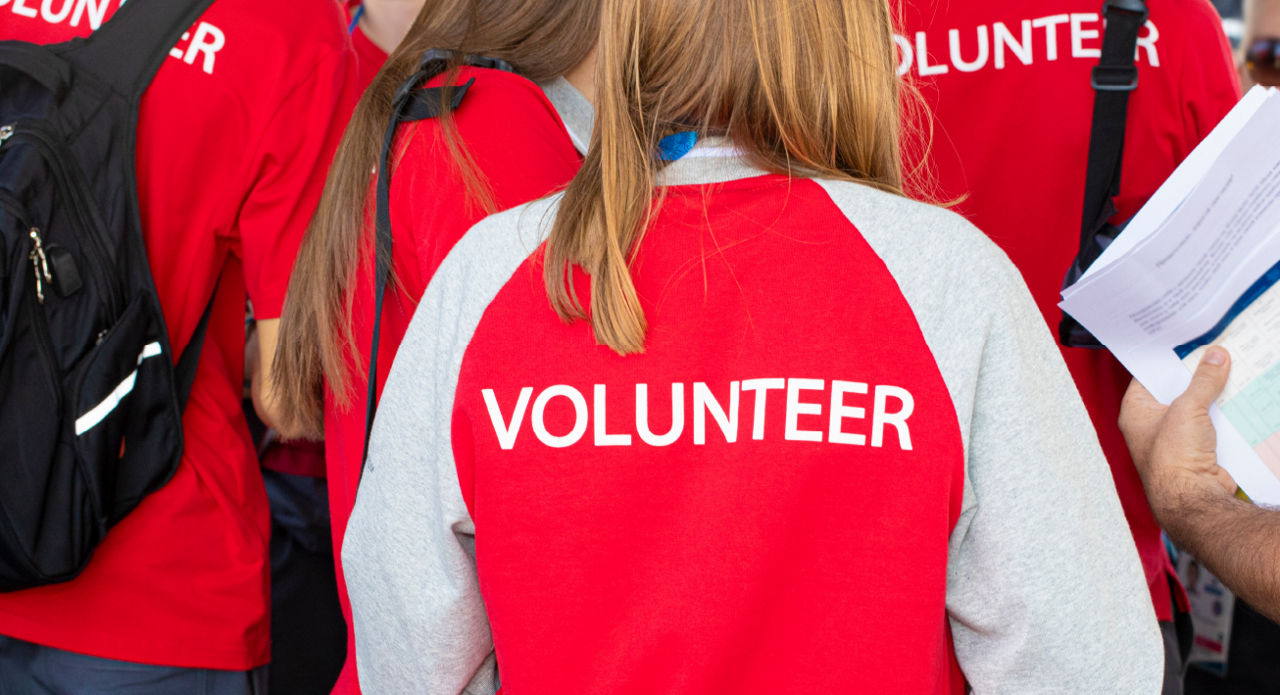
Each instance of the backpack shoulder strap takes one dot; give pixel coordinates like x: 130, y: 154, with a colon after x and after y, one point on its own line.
x: 411, y: 103
x: 184, y: 372
x: 1115, y: 76
x: 129, y: 49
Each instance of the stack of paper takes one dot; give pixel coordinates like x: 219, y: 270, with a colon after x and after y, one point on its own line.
x: 1200, y: 265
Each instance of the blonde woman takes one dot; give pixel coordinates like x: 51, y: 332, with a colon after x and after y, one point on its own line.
x: 733, y: 415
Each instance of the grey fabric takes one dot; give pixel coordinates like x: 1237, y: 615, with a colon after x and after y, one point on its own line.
x: 575, y: 110
x: 408, y: 553
x: 1045, y: 590
x: 32, y: 669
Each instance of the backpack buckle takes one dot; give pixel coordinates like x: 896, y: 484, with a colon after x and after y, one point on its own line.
x: 480, y: 61
x: 1119, y: 78
x: 1114, y: 79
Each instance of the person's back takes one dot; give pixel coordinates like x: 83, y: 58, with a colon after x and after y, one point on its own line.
x: 510, y: 139
x: 820, y: 451
x: 522, y: 159
x: 1009, y: 89
x: 234, y: 136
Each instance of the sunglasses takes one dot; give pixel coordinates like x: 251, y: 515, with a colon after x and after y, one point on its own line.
x: 1263, y: 61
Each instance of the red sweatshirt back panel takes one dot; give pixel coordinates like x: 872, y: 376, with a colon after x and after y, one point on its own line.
x: 813, y: 424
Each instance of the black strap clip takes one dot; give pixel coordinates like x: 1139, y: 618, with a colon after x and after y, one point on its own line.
x: 1120, y: 78
x: 480, y: 61
x: 1138, y: 7
x: 1114, y: 78
x: 421, y: 75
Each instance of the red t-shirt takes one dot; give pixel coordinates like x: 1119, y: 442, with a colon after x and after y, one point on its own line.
x: 235, y: 135
x: 516, y: 138
x: 1009, y: 89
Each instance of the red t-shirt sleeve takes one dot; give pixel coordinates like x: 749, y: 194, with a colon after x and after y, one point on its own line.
x: 292, y: 159
x: 1210, y: 84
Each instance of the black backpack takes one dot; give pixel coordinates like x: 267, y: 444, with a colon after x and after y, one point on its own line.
x: 90, y: 403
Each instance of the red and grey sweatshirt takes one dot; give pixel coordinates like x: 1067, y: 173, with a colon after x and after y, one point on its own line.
x: 849, y: 459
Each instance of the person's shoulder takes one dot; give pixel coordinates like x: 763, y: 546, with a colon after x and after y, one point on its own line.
x: 498, y: 94
x: 285, y: 39
x: 475, y: 271
x: 1198, y: 14
x: 1194, y: 24
x: 526, y: 225
x: 950, y: 272
x: 502, y: 240
x: 891, y: 221
x: 499, y: 109
x: 293, y: 24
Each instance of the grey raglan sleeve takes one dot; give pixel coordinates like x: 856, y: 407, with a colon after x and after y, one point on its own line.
x: 408, y: 555
x: 1045, y: 590
x: 409, y: 550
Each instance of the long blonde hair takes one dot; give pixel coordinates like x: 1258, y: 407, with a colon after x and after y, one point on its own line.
x: 542, y: 39
x: 803, y: 87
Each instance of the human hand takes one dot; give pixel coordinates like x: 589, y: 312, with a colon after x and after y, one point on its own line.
x: 1174, y: 446
x: 260, y: 350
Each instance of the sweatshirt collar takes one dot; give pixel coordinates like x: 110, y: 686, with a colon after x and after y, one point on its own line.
x: 712, y: 160
x: 575, y: 111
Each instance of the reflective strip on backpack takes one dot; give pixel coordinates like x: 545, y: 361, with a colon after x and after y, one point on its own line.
x: 99, y: 412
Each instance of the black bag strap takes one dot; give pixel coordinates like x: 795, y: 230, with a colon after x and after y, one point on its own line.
x: 411, y: 103
x: 129, y: 48
x: 1115, y: 76
x: 1113, y: 79
x: 184, y: 373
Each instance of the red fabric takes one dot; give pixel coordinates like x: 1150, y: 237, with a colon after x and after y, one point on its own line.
x: 369, y: 58
x: 1015, y: 140
x: 517, y: 140
x: 295, y: 458
x: 701, y: 587
x: 233, y: 145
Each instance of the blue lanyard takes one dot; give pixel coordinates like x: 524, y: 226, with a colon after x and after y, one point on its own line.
x: 676, y: 145
x: 355, y: 19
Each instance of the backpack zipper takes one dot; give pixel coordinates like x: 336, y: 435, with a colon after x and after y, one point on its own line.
x: 39, y: 263
x: 56, y: 155
x: 38, y: 321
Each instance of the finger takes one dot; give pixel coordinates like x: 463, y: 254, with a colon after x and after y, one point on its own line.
x: 1209, y: 379
x: 1139, y: 413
